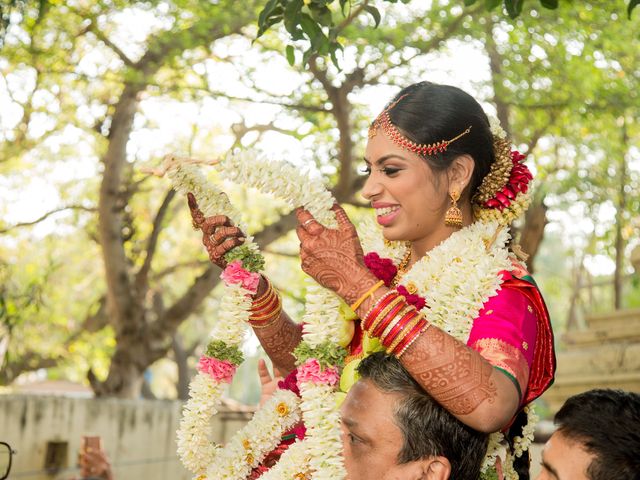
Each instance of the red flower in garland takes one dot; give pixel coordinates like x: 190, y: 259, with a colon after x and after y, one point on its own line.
x: 382, y: 268
x: 290, y: 382
x: 412, y: 299
x: 518, y: 182
x: 385, y: 270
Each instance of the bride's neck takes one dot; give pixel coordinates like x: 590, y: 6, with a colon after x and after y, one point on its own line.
x: 420, y: 247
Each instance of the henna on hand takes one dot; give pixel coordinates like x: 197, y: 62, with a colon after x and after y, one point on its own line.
x: 279, y: 340
x: 452, y: 373
x: 219, y: 235
x: 333, y: 257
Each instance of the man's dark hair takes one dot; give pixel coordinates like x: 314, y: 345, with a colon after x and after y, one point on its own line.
x: 427, y: 428
x: 607, y: 424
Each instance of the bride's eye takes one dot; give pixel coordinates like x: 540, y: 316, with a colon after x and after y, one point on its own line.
x: 390, y: 171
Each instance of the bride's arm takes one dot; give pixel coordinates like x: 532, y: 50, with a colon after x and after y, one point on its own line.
x: 278, y: 337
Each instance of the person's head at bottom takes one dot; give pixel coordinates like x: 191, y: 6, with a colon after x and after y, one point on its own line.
x: 392, y: 429
x: 598, y: 438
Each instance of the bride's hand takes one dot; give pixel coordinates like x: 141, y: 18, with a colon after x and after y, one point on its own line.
x: 219, y: 235
x: 333, y: 257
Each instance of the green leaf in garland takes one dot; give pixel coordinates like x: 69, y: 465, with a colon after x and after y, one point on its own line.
x: 251, y: 260
x: 328, y: 354
x: 219, y: 350
x: 632, y: 4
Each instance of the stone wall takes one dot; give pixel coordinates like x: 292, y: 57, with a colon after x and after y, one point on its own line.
x: 138, y: 435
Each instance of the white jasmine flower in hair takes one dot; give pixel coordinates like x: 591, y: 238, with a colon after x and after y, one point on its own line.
x: 496, y: 128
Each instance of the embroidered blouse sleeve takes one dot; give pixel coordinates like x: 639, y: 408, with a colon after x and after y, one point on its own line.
x: 505, y: 335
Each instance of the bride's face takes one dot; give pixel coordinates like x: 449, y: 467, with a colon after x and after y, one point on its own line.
x: 409, y: 198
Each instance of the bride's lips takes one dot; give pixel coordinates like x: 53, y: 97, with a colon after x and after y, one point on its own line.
x: 386, y: 212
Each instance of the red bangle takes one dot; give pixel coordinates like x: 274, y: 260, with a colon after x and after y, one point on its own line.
x: 382, y: 325
x: 266, y: 306
x: 398, y: 327
x: 411, y: 337
x: 378, y: 307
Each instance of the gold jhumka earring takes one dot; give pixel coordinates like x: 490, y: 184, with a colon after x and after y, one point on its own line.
x: 453, y: 217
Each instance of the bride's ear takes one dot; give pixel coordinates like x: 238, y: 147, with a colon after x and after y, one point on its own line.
x: 460, y: 172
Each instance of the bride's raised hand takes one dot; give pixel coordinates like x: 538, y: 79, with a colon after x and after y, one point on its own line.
x: 219, y: 235
x: 333, y: 257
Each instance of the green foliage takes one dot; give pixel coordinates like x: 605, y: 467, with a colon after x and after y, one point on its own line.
x: 321, y: 22
x: 328, y: 354
x: 251, y: 261
x: 221, y: 351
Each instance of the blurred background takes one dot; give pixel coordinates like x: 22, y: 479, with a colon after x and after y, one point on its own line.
x: 106, y: 293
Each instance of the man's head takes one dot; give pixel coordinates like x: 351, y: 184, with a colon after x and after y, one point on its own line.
x: 392, y: 429
x: 598, y: 438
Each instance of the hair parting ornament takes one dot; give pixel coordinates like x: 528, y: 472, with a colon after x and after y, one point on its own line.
x: 384, y: 121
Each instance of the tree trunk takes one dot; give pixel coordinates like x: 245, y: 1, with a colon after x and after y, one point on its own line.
x: 620, y: 208
x: 181, y: 357
x: 139, y: 341
x: 532, y: 233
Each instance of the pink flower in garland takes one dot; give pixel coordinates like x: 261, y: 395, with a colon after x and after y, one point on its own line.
x: 518, y: 182
x: 219, y: 370
x: 412, y: 299
x: 234, y: 274
x: 311, y: 371
x: 382, y: 268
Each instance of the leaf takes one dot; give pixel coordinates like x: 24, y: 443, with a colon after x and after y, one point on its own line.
x: 468, y: 3
x: 266, y: 11
x: 490, y: 4
x: 632, y: 4
x: 291, y: 56
x: 514, y: 7
x: 373, y: 11
x: 292, y: 16
x: 313, y: 30
x: 322, y: 15
x: 550, y: 4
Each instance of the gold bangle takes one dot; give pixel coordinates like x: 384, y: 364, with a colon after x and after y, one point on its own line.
x: 268, y: 306
x: 384, y: 313
x: 367, y: 294
x: 265, y: 297
x: 407, y: 328
x: 268, y: 321
x: 366, y: 315
x: 394, y: 322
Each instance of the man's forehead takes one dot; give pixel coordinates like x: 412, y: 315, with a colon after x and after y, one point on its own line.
x: 368, y: 407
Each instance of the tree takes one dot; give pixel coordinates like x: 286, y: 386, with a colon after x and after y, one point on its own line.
x: 149, y: 280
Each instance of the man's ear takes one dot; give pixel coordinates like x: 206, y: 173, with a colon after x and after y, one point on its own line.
x: 460, y: 172
x: 432, y: 468
x: 436, y: 468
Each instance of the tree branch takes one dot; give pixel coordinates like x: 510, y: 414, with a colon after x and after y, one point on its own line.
x: 100, y: 35
x: 142, y: 278
x: 47, y: 215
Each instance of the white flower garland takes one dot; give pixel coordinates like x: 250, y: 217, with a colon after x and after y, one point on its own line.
x: 457, y: 277
x: 254, y: 441
x: 281, y: 180
x: 322, y: 324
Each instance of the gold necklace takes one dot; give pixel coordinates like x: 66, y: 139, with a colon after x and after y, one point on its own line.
x: 402, y: 266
